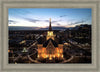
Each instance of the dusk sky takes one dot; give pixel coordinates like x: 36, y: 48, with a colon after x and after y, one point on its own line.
x: 39, y: 17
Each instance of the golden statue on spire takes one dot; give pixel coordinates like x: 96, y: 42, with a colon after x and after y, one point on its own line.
x: 50, y: 19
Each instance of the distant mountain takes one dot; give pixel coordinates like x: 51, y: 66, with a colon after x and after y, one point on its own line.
x: 22, y: 28
x: 54, y: 28
x: 81, y: 26
x: 34, y: 28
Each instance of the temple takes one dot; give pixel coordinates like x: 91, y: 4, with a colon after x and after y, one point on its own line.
x: 50, y: 49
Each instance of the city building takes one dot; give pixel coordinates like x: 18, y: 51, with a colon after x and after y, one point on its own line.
x: 50, y: 49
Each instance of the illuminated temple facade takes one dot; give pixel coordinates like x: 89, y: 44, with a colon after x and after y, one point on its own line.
x: 50, y: 49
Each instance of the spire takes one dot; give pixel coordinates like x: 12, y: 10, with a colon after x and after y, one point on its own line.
x: 50, y: 28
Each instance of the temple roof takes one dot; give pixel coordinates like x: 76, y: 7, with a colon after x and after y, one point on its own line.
x: 47, y: 42
x: 41, y: 40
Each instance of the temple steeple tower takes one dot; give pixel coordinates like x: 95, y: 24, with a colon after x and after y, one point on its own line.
x: 50, y: 28
x: 50, y: 32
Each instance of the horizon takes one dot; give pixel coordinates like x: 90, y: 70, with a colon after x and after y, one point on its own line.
x: 38, y: 28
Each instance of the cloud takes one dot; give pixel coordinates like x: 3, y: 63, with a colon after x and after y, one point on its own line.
x: 78, y: 22
x: 32, y: 20
x: 46, y: 20
x: 52, y: 21
x: 12, y: 22
x: 39, y: 20
x: 71, y: 20
x: 58, y: 24
x: 63, y: 15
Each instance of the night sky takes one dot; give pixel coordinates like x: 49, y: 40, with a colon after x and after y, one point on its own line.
x: 39, y: 17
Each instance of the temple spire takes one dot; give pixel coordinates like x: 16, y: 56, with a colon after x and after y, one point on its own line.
x: 50, y: 28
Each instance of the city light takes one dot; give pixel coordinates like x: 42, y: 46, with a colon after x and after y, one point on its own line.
x: 64, y: 38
